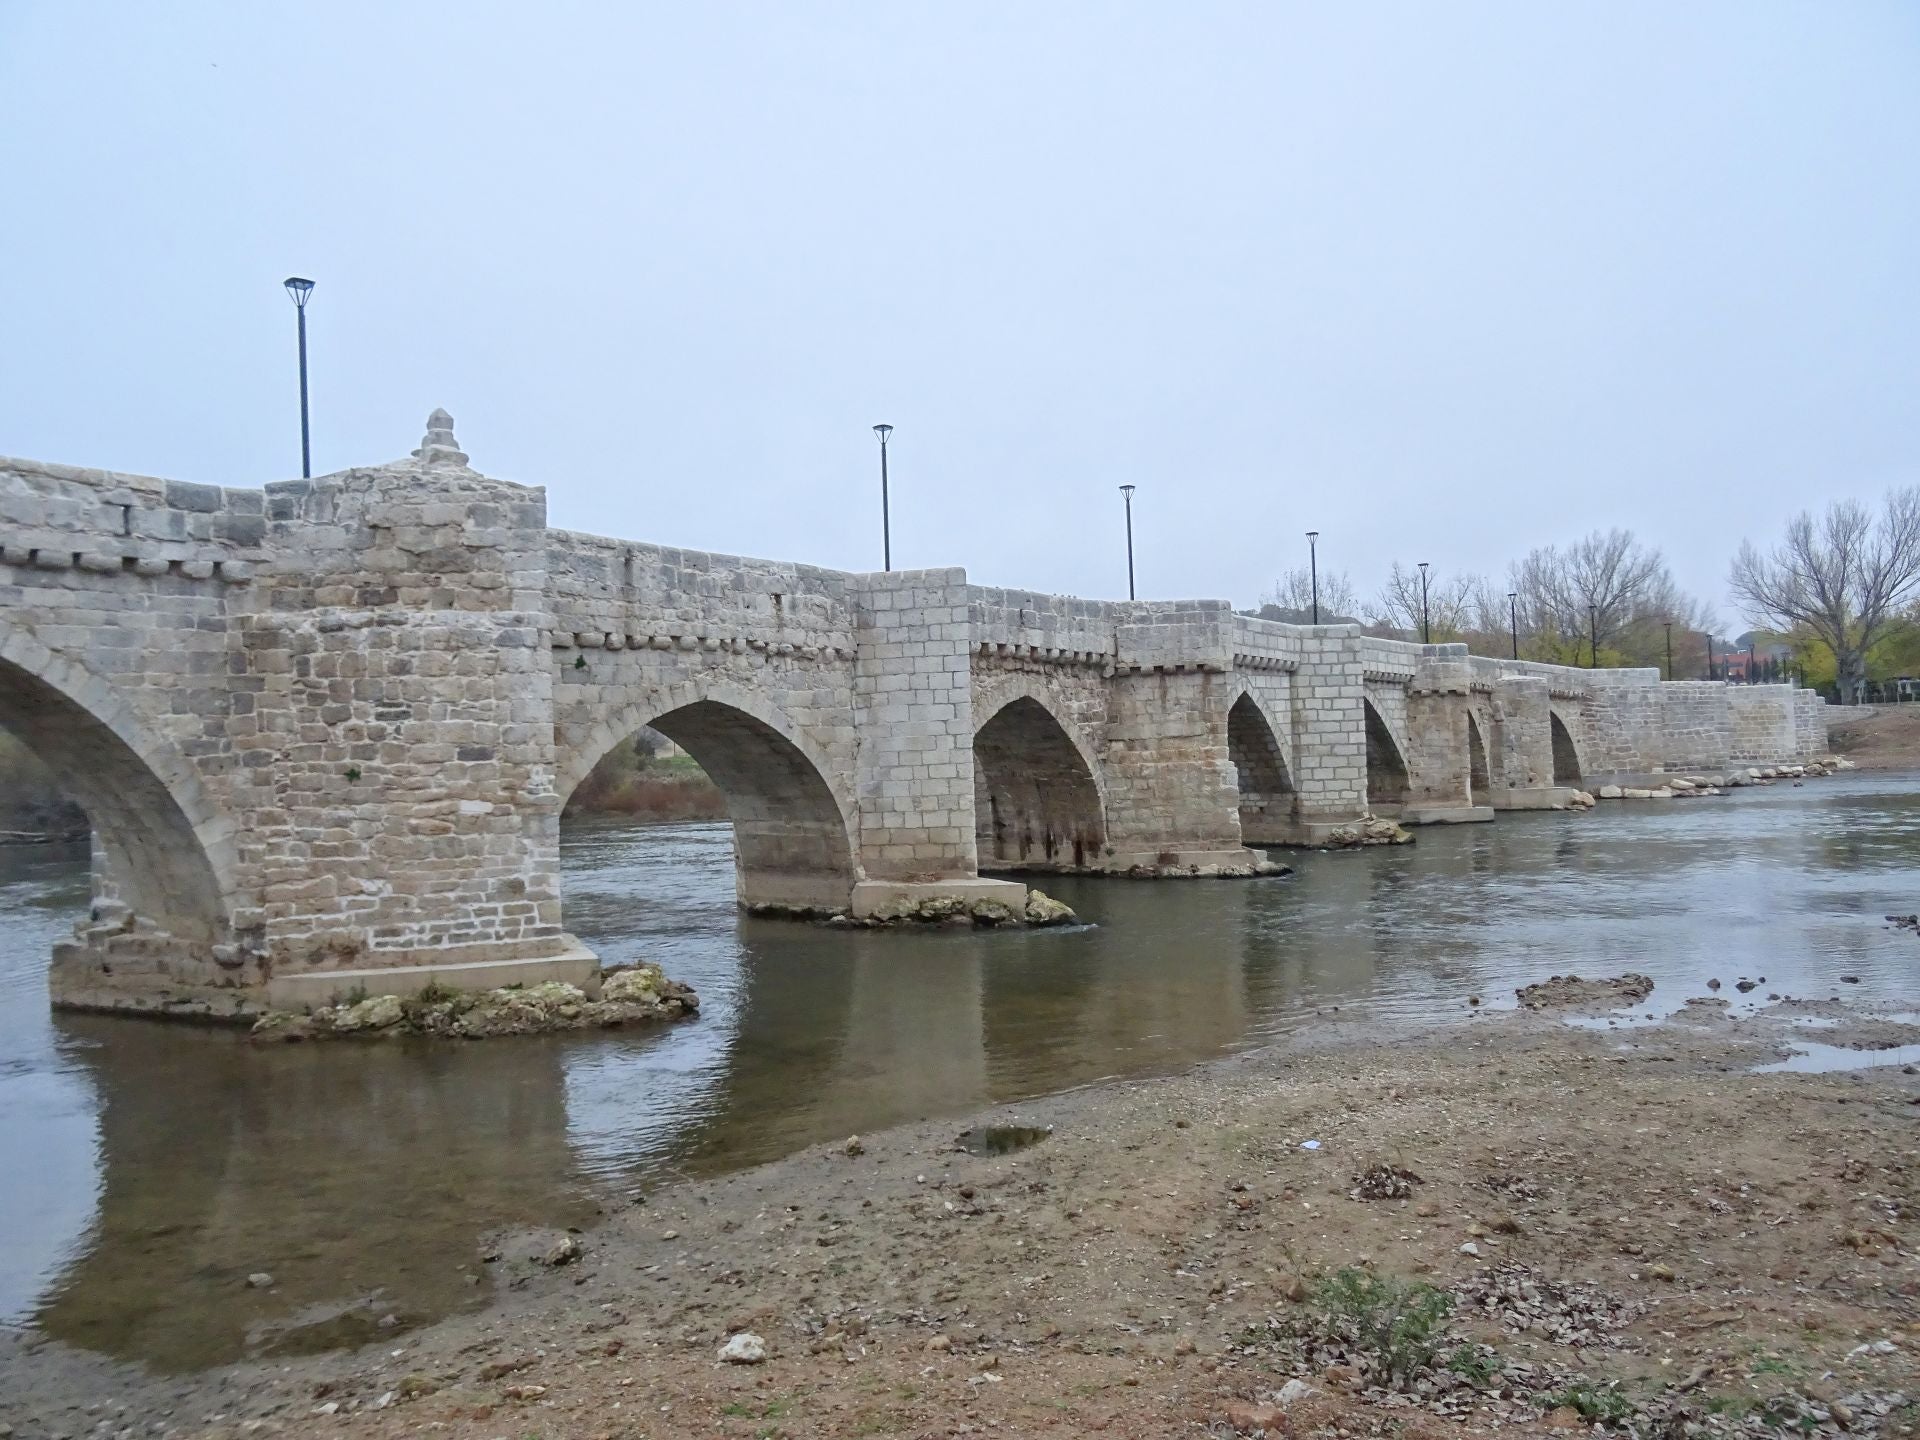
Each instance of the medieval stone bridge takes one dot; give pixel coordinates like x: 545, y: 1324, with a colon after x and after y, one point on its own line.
x: 324, y: 730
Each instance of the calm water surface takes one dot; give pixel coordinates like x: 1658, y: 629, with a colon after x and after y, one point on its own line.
x: 150, y: 1168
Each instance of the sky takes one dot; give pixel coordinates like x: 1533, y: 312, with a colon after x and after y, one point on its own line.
x: 1442, y: 282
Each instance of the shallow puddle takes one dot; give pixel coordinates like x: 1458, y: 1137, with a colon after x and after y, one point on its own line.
x: 1813, y: 1058
x: 1000, y: 1139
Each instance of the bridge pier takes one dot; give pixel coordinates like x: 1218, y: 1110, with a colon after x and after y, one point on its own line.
x: 1440, y: 737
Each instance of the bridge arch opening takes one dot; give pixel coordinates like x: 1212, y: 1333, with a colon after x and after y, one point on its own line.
x: 1478, y: 782
x: 1036, y: 803
x: 1566, y: 759
x: 1388, y: 784
x: 792, y: 850
x: 154, y: 881
x: 1266, y: 787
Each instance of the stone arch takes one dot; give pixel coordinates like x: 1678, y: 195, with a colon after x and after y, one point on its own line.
x: 1479, y: 782
x: 1266, y: 780
x: 1567, y: 769
x: 793, y: 848
x: 165, y: 853
x: 1388, y: 783
x: 1037, y: 798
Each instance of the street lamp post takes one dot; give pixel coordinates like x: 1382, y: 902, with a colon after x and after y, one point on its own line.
x: 1127, y: 491
x: 1313, y: 569
x: 1593, y: 630
x: 886, y: 522
x: 1709, y: 655
x: 1426, y: 626
x: 1669, y: 650
x: 1513, y: 620
x: 1752, y: 676
x: 300, y: 289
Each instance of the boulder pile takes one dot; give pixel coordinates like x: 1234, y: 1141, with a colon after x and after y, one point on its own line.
x: 954, y: 912
x: 1680, y: 787
x: 633, y: 995
x: 1367, y: 830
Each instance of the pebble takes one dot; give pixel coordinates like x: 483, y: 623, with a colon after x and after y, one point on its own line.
x: 1469, y: 1248
x: 746, y: 1348
x: 259, y: 1280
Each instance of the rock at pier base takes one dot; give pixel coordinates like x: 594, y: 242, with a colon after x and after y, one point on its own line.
x: 1021, y: 907
x: 1367, y: 830
x: 637, y: 995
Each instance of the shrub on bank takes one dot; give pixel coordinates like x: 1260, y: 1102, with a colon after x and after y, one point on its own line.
x: 635, y: 781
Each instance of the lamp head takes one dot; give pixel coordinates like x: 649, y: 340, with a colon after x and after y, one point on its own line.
x: 299, y: 289
x: 1127, y: 490
x: 883, y: 431
x: 1313, y: 534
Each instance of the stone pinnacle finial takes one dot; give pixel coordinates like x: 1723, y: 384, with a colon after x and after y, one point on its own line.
x: 439, y: 447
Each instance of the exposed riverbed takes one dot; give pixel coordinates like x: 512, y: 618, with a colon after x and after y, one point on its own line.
x: 153, y: 1168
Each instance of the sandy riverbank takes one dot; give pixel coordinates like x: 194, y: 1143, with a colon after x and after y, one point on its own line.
x: 1888, y: 739
x: 1717, y: 1241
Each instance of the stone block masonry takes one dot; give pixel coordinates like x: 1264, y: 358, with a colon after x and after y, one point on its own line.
x: 324, y: 730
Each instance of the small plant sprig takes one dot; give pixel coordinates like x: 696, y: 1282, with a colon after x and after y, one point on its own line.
x: 1402, y: 1325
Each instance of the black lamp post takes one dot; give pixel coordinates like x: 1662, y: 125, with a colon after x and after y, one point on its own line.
x: 1709, y: 655
x: 1127, y: 491
x: 1593, y: 630
x: 300, y: 289
x: 1669, y: 650
x: 1513, y: 620
x: 1313, y: 569
x: 1426, y: 627
x: 1752, y: 676
x: 886, y: 523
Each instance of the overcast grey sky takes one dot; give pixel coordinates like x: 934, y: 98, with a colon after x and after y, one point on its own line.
x: 1443, y: 281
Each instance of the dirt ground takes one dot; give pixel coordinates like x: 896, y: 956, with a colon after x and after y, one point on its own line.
x: 1631, y: 1228
x: 1888, y: 739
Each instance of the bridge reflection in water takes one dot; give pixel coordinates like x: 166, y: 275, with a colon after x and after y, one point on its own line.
x: 365, y: 1178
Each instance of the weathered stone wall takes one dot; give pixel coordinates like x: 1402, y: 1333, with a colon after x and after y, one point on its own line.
x: 324, y: 730
x: 1763, y: 723
x: 1324, y: 688
x: 747, y: 665
x: 1040, y: 704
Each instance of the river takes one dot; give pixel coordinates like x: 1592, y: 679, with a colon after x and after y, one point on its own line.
x: 151, y: 1167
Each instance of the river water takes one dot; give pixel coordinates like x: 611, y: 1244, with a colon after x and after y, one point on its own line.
x: 150, y: 1167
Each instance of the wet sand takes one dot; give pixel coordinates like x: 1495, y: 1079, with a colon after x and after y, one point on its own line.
x: 1705, y: 1240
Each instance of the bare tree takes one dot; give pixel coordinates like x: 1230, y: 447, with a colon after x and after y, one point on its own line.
x: 1841, y: 576
x: 1607, y: 590
x: 1454, y: 605
x: 1293, y: 591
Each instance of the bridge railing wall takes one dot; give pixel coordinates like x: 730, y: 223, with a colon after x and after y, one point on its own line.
x: 1026, y: 622
x: 625, y: 593
x: 60, y: 517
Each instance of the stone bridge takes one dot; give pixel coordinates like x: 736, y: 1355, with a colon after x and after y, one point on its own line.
x: 324, y: 730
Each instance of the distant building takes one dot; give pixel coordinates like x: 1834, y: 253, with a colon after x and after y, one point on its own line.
x: 1753, y: 658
